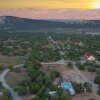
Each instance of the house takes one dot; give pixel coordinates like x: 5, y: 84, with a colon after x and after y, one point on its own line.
x: 89, y: 57
x: 67, y: 86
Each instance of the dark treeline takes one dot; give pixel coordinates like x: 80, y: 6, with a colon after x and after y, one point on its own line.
x: 21, y: 24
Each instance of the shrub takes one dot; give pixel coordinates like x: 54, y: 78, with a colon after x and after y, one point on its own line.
x: 53, y: 88
x: 98, y: 71
x: 6, y: 95
x: 97, y: 79
x: 22, y: 90
x: 91, y: 69
x: 81, y: 67
x: 55, y: 74
x: 78, y: 63
x: 87, y: 86
x: 79, y: 88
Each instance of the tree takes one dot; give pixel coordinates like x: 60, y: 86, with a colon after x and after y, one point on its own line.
x: 7, y: 95
x: 55, y: 74
x: 81, y: 67
x: 91, y: 69
x: 34, y: 88
x: 62, y: 95
x: 21, y: 90
x: 87, y: 86
x: 98, y: 71
x: 97, y: 79
x: 79, y: 88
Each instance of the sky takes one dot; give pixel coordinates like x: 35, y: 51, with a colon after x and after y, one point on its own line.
x: 51, y: 9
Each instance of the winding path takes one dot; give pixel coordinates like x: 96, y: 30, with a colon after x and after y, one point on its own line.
x: 6, y: 86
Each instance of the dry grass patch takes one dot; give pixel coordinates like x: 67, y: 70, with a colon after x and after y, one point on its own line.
x: 14, y: 78
x: 15, y: 60
x: 66, y: 72
x: 85, y: 96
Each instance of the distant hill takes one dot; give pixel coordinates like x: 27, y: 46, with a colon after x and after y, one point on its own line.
x: 15, y: 23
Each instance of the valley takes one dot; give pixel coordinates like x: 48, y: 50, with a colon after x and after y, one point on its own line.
x: 48, y: 60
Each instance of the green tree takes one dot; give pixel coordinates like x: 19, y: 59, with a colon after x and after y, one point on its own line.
x: 55, y: 74
x: 97, y: 79
x: 91, y: 69
x: 81, y: 67
x: 98, y: 71
x: 34, y: 87
x: 6, y: 95
x: 79, y: 88
x: 21, y: 90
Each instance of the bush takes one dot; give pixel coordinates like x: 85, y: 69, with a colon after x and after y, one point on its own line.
x: 78, y: 63
x: 97, y: 79
x: 88, y: 86
x: 55, y: 74
x: 91, y: 69
x: 6, y: 95
x: 79, y: 88
x: 53, y: 88
x: 22, y: 90
x: 98, y: 71
x: 81, y: 67
x: 34, y: 88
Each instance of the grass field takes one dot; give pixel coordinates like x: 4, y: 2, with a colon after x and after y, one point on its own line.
x: 5, y: 60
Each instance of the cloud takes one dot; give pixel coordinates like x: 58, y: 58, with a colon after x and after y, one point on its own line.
x: 52, y: 13
x: 48, y: 4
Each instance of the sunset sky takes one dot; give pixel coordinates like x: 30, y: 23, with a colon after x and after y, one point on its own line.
x: 70, y: 9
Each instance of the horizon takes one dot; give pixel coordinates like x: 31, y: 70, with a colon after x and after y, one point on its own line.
x: 59, y: 20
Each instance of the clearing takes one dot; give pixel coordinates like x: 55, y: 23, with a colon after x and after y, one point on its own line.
x: 15, y: 60
x: 14, y: 78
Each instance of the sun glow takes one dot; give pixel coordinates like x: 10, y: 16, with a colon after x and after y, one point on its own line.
x: 98, y: 5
